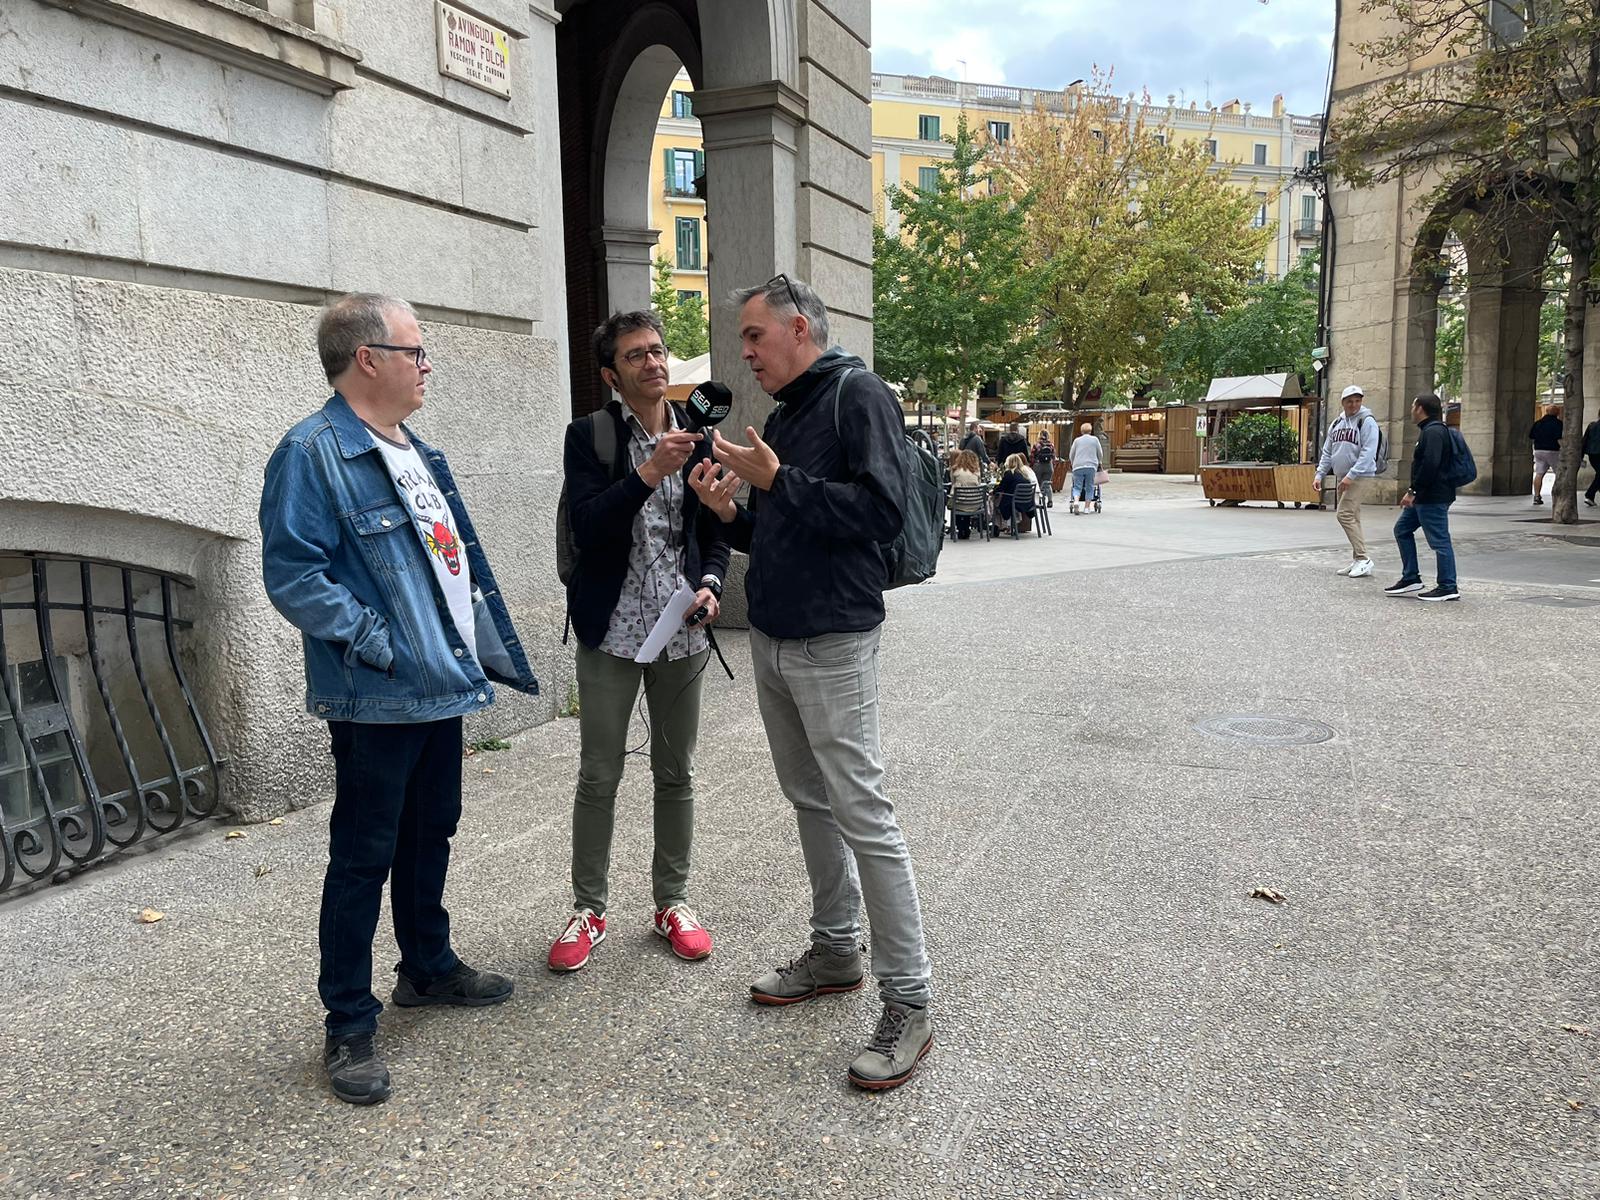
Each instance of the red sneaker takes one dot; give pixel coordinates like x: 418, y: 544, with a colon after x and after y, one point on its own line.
x: 583, y: 933
x: 683, y: 931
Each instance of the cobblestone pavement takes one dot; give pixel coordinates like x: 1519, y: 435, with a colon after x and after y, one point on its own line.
x: 1116, y: 1015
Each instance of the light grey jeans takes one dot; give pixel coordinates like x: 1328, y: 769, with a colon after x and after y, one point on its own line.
x: 819, y: 703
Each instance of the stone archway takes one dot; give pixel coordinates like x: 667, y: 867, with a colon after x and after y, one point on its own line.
x: 789, y: 181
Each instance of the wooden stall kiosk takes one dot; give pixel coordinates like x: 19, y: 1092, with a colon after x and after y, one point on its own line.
x: 1269, y: 482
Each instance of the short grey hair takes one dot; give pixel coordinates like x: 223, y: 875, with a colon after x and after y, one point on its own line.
x: 351, y: 322
x: 777, y: 293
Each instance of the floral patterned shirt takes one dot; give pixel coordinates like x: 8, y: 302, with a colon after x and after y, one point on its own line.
x: 655, y: 561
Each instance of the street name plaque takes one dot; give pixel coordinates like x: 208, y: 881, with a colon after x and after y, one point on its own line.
x: 473, y: 51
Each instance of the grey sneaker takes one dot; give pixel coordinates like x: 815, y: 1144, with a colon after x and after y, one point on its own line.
x: 355, y: 1071
x: 903, y: 1036
x: 817, y: 972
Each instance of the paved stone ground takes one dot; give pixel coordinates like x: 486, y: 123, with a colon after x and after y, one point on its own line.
x: 1116, y: 1016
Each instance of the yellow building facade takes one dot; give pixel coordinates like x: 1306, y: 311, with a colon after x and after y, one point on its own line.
x: 912, y: 114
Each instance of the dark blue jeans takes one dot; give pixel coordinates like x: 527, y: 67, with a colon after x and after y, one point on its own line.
x: 395, y: 808
x: 1434, y: 521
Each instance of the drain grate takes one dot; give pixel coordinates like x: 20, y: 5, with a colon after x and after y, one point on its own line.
x: 1261, y: 730
x: 1559, y: 601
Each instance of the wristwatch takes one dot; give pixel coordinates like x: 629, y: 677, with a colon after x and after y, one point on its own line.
x: 713, y: 584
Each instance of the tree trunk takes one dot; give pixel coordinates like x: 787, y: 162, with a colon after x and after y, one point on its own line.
x: 1564, y: 497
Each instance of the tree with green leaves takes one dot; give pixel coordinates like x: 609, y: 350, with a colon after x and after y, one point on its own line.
x: 952, y: 300
x: 684, y: 317
x: 1507, y: 118
x: 1274, y: 329
x: 1127, y: 229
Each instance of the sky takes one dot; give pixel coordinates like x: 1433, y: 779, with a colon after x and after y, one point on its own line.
x: 1230, y: 49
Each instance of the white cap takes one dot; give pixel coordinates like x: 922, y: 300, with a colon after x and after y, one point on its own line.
x: 1353, y: 390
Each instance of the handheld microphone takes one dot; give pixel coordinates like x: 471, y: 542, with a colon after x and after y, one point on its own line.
x: 709, y: 404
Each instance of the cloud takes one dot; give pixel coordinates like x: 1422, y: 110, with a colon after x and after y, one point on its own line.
x: 1243, y: 49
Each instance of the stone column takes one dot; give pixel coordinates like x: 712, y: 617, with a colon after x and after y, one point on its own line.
x: 628, y: 255
x: 750, y: 137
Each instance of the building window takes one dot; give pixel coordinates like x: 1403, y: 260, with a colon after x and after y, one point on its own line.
x: 688, y: 294
x: 688, y: 238
x: 928, y: 128
x: 1260, y: 221
x: 1000, y: 131
x: 1307, y: 252
x: 1508, y: 21
x: 1211, y: 149
x: 1312, y: 159
x: 682, y: 105
x: 1161, y: 139
x: 683, y: 168
x: 927, y: 179
x: 1261, y: 154
x: 1308, y: 212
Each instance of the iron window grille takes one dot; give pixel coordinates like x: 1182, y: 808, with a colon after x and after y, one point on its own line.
x: 102, y: 744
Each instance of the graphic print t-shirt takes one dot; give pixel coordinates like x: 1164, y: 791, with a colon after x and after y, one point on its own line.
x: 436, y: 526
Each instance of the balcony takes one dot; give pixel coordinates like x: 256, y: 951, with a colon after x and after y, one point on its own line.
x: 1308, y: 231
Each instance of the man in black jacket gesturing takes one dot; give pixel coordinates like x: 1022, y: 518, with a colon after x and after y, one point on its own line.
x: 828, y: 493
x: 1427, y: 505
x: 641, y: 535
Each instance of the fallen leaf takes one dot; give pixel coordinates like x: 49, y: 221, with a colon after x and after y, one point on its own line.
x: 150, y: 916
x: 488, y: 770
x: 275, y: 821
x: 262, y: 870
x: 1580, y: 1030
x: 234, y: 835
x: 1266, y: 893
x: 1574, y: 1105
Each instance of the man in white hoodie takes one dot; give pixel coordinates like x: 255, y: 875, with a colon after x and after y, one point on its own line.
x: 1350, y: 453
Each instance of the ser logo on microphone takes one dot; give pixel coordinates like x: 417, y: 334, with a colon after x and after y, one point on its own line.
x: 709, y: 404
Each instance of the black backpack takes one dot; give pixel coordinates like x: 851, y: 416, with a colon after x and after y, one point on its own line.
x: 605, y: 449
x: 913, y: 556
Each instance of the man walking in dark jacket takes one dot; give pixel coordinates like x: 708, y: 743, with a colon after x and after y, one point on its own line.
x: 975, y: 442
x: 828, y: 494
x: 1012, y: 441
x: 1546, y: 438
x: 1426, y: 505
x: 1591, y: 447
x: 640, y: 538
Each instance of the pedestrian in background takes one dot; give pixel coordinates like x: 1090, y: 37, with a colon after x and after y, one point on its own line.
x: 1591, y: 447
x: 975, y: 443
x: 367, y: 549
x: 1012, y: 441
x: 1426, y: 505
x: 1044, y: 464
x: 1086, y: 457
x: 1546, y: 438
x: 1350, y: 453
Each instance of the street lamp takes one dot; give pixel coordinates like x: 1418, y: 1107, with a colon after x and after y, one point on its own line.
x: 919, y: 389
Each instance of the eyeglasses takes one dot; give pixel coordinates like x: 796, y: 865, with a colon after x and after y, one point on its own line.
x: 418, y: 354
x: 793, y: 299
x: 635, y: 358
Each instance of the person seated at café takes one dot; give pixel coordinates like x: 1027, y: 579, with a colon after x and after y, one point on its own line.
x: 964, y: 473
x: 1014, y: 495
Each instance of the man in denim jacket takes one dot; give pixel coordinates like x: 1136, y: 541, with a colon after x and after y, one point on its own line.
x: 368, y: 550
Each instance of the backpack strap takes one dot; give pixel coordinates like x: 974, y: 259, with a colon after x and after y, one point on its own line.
x: 837, y: 391
x: 604, y: 430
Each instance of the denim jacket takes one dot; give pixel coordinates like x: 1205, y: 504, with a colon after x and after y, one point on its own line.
x: 342, y: 561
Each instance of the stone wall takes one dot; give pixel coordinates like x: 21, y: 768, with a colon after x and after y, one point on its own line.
x: 170, y: 220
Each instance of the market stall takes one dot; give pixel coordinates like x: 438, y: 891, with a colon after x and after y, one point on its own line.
x: 1239, y: 482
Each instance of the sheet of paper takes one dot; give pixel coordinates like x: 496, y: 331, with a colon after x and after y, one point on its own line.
x: 679, y: 606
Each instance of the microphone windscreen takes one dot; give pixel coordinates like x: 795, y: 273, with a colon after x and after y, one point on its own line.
x: 709, y: 404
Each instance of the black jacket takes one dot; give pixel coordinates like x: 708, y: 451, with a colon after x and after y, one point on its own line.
x: 1591, y: 438
x: 977, y: 445
x: 1010, y: 443
x: 1546, y: 433
x: 814, y: 539
x: 602, y: 506
x: 1430, y: 458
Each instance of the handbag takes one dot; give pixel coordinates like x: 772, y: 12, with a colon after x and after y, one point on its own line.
x: 1102, y: 476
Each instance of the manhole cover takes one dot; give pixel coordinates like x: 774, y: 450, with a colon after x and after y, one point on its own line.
x: 1559, y: 601
x: 1266, y: 730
